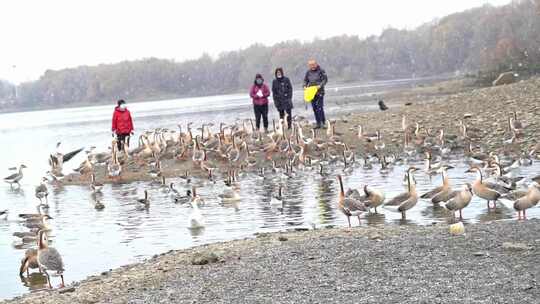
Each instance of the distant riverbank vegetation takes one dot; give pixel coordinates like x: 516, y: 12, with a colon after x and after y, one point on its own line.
x: 480, y: 42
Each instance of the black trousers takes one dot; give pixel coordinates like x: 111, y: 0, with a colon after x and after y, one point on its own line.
x: 261, y: 111
x: 289, y: 116
x: 121, y: 141
x: 318, y: 109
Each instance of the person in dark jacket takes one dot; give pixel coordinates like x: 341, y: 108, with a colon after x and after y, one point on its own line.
x: 259, y: 94
x: 122, y: 124
x: 316, y: 76
x: 282, y: 92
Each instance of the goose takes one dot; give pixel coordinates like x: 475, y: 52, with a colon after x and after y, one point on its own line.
x: 42, y: 192
x: 85, y: 167
x: 349, y: 206
x: 529, y: 200
x: 230, y: 194
x: 48, y: 258
x: 94, y: 185
x: 407, y: 200
x: 57, y: 160
x: 37, y: 222
x: 99, y: 205
x: 460, y: 200
x: 277, y: 200
x: 15, y: 178
x: 515, y: 125
x: 373, y: 198
x: 488, y: 191
x: 195, y: 198
x: 179, y: 198
x: 431, y: 167
x: 195, y: 219
x: 29, y: 261
x: 441, y: 193
x: 114, y: 168
x: 145, y: 201
x: 347, y: 168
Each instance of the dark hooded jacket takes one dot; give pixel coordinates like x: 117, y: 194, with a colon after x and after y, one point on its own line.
x: 316, y: 77
x: 259, y: 100
x: 282, y: 91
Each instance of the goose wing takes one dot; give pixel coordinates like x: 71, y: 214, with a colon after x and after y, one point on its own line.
x: 70, y: 155
x: 12, y: 176
x: 432, y: 193
x: 497, y: 188
x: 398, y: 200
x: 353, y: 207
x: 514, y: 195
x: 444, y: 196
x: 408, y: 203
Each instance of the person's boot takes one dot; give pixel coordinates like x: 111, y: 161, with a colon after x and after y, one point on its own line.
x: 265, y: 130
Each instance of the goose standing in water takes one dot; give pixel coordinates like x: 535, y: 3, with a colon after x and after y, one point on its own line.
x: 15, y: 178
x: 441, y: 193
x: 29, y: 262
x: 407, y: 200
x: 48, y: 258
x: 348, y: 205
x: 529, y: 200
x: 145, y: 201
x: 488, y: 191
x: 42, y: 192
x: 230, y: 193
x: 373, y: 198
x: 460, y: 200
x: 277, y: 200
x: 94, y: 185
x: 195, y: 219
x: 98, y: 205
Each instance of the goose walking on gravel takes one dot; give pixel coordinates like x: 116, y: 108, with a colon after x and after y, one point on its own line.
x: 348, y: 205
x: 48, y: 258
x: 15, y: 178
x: 459, y: 200
x: 407, y: 200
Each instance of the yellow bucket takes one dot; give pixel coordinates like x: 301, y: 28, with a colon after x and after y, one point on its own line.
x: 309, y: 93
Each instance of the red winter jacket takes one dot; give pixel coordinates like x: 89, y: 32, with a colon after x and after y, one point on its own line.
x: 121, y: 121
x: 259, y: 101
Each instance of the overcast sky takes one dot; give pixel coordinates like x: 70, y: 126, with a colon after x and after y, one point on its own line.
x: 39, y: 35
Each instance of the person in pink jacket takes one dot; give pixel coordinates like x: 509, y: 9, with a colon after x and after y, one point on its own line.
x: 259, y: 94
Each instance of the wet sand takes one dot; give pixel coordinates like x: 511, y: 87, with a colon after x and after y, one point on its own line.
x: 494, y: 262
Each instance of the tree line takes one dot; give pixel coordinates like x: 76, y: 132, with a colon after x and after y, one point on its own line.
x: 480, y: 41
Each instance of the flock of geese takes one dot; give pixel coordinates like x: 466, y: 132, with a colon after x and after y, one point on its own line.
x: 237, y: 150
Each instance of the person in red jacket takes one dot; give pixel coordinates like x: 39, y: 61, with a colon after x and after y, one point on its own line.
x: 259, y: 94
x: 122, y: 125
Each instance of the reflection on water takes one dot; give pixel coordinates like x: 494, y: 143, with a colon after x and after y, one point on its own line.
x: 92, y: 241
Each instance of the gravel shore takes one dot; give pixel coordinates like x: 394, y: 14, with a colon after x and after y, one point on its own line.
x: 493, y: 262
